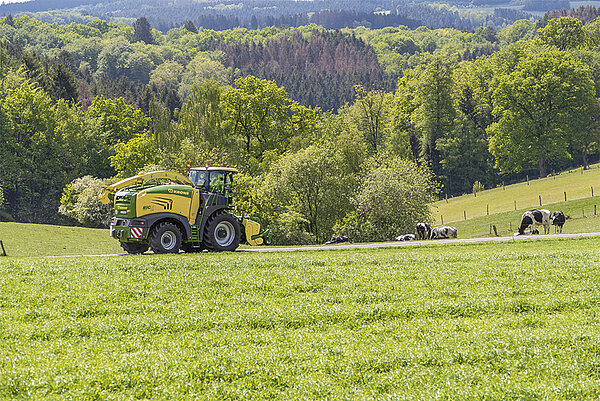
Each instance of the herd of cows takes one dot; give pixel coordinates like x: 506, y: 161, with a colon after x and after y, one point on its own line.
x: 529, y: 221
x: 424, y: 231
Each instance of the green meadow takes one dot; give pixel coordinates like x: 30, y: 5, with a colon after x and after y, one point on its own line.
x: 21, y: 239
x: 513, y: 320
x: 580, y: 219
x: 577, y: 184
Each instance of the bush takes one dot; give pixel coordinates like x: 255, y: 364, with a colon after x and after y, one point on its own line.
x: 392, y: 199
x: 478, y: 187
x: 80, y: 201
x: 290, y: 228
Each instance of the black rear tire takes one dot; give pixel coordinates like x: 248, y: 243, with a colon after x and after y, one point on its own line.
x: 222, y: 233
x: 134, y: 248
x: 165, y: 238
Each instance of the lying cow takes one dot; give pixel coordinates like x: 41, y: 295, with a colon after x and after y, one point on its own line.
x: 406, y: 237
x: 533, y: 218
x: 423, y: 231
x: 444, y: 232
x: 558, y: 220
x: 336, y: 239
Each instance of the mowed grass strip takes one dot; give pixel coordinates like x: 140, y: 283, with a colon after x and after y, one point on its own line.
x: 21, y: 240
x: 481, y: 321
x: 499, y: 200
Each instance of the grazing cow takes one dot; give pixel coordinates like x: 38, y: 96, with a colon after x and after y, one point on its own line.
x: 423, y: 231
x: 406, y: 237
x: 443, y: 232
x: 336, y: 239
x: 533, y: 218
x: 558, y: 220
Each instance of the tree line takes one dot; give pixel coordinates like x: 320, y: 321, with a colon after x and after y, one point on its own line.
x: 368, y: 168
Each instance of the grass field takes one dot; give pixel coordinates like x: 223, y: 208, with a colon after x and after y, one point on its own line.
x: 580, y: 212
x: 500, y: 200
x: 481, y: 321
x: 42, y: 240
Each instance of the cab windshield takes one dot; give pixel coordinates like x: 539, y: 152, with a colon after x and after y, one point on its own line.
x: 199, y: 178
x: 213, y: 181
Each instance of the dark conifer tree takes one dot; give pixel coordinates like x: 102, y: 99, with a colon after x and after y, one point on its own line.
x: 143, y: 31
x: 189, y: 26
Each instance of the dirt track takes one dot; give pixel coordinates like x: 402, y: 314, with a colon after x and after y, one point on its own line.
x: 393, y: 244
x: 418, y: 243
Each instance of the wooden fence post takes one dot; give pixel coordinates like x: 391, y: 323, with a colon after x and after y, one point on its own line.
x: 592, y: 187
x: 446, y: 198
x: 594, y: 210
x: 442, y: 219
x: 565, y: 196
x: 515, y: 205
x: 527, y: 179
x: 540, y: 196
x: 487, y: 210
x: 582, y: 212
x: 3, y: 250
x: 465, y: 214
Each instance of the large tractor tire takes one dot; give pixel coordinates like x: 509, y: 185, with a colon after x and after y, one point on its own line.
x: 165, y: 238
x: 134, y: 248
x: 222, y: 233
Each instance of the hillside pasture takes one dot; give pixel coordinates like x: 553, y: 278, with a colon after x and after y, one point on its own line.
x: 515, y: 320
x: 576, y: 183
x: 580, y: 219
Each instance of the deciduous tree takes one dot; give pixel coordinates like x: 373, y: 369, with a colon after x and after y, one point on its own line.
x: 538, y: 105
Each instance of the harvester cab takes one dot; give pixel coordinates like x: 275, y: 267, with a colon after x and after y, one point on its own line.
x: 191, y: 213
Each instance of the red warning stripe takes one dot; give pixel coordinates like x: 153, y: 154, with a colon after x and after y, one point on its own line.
x: 136, y: 232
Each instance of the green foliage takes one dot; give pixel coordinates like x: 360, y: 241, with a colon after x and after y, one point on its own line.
x: 132, y: 156
x: 434, y: 117
x: 115, y: 121
x: 35, y: 156
x: 80, y: 201
x: 392, y: 198
x: 371, y: 117
x: 311, y: 184
x: 478, y: 187
x: 539, y: 105
x: 564, y: 33
x: 143, y: 31
x: 259, y: 114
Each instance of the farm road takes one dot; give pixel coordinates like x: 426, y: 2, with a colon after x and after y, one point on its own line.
x: 393, y: 244
x: 417, y: 243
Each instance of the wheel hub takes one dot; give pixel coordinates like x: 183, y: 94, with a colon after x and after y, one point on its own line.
x: 168, y: 240
x: 224, y: 233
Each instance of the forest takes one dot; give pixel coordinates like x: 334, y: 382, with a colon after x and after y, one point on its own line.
x: 255, y: 14
x: 352, y: 130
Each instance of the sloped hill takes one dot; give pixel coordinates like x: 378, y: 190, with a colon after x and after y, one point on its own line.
x: 577, y: 184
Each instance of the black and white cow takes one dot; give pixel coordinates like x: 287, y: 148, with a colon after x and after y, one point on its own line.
x: 444, y: 232
x: 406, y: 237
x: 336, y: 239
x: 558, y: 221
x: 423, y: 231
x: 533, y: 218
